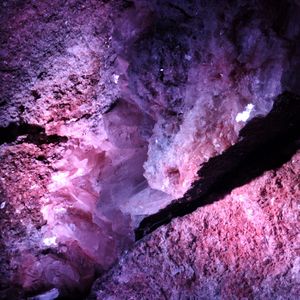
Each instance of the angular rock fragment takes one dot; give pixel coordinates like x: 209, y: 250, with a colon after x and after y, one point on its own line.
x: 244, y: 246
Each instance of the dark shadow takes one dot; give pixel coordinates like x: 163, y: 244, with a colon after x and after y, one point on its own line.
x: 34, y: 134
x: 265, y: 143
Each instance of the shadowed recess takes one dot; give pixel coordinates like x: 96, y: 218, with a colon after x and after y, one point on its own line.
x: 33, y: 134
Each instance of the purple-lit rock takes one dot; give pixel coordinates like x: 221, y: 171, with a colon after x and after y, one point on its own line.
x: 201, y: 80
x: 243, y: 247
x: 124, y: 100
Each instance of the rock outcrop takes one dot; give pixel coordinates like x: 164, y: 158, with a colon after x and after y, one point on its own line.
x: 245, y: 246
x: 112, y: 112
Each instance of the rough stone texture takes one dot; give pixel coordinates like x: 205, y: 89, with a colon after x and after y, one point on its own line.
x: 107, y: 109
x: 245, y: 246
x: 264, y: 144
x: 216, y: 72
x: 56, y: 82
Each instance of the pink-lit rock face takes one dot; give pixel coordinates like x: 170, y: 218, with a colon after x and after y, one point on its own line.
x: 113, y: 106
x: 246, y: 246
x: 201, y: 80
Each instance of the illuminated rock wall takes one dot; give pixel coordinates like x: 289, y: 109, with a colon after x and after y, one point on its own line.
x: 244, y: 246
x: 109, y: 109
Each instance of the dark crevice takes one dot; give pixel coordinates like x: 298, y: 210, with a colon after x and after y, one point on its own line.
x: 181, y: 10
x: 265, y: 143
x: 36, y: 95
x: 8, y: 70
x: 112, y: 106
x: 33, y: 134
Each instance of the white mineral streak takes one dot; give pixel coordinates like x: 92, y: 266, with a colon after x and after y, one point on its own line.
x: 50, y: 241
x: 245, y: 115
x: 50, y: 295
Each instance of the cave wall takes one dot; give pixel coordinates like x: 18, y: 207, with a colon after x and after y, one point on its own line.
x: 245, y: 246
x: 108, y: 112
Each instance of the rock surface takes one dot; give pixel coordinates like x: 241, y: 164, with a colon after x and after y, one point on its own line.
x: 107, y: 111
x: 245, y: 246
